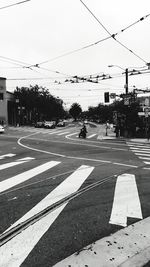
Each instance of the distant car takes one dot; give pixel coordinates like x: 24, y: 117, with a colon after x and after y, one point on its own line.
x: 49, y: 124
x: 61, y: 124
x: 1, y: 129
x: 39, y: 124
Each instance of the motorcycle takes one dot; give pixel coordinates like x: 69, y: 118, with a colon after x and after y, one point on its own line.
x: 82, y: 133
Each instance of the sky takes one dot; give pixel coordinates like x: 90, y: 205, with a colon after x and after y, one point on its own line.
x: 52, y: 34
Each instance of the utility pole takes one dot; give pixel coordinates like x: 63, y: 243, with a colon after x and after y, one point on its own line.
x: 126, y: 84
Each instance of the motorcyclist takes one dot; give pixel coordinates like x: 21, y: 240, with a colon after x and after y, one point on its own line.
x: 83, y: 131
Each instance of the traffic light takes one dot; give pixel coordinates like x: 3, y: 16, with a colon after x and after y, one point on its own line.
x: 106, y: 97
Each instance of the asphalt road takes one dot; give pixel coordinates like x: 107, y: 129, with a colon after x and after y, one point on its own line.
x: 99, y: 187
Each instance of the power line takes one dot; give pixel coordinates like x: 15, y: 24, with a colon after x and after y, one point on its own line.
x: 18, y: 3
x: 95, y: 43
x: 113, y: 36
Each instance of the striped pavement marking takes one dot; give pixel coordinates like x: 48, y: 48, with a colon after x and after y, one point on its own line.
x: 15, y: 251
x: 15, y: 163
x: 142, y: 151
x: 126, y: 200
x: 9, y: 155
x: 62, y: 133
x: 71, y: 134
x: 90, y: 136
x: 20, y: 178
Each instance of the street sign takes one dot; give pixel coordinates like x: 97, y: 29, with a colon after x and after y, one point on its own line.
x: 146, y: 101
x: 112, y: 95
x: 126, y: 100
x: 141, y: 113
x: 146, y: 111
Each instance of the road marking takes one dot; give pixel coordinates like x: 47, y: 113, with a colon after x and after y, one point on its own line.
x: 125, y: 248
x: 141, y: 150
x: 141, y: 146
x: 146, y: 162
x: 20, y: 178
x: 127, y: 165
x: 14, y: 163
x: 90, y: 136
x: 65, y: 156
x: 144, y: 158
x: 141, y: 154
x: 126, y: 200
x: 7, y: 156
x: 71, y: 134
x: 63, y: 133
x: 15, y: 251
x: 53, y: 132
x: 27, y: 158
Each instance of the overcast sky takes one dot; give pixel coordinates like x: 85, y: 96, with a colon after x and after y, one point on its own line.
x: 41, y: 31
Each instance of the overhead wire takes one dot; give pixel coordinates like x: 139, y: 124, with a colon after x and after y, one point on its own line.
x: 17, y: 3
x: 113, y: 35
x: 97, y: 42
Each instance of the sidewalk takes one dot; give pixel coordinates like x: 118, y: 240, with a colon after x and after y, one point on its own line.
x: 112, y: 136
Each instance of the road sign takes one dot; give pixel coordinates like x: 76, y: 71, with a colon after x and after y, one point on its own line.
x: 141, y: 113
x: 126, y: 101
x: 146, y: 111
x: 147, y: 101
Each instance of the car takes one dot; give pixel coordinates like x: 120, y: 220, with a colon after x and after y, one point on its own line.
x: 1, y: 129
x: 49, y: 124
x: 61, y: 124
x: 39, y: 124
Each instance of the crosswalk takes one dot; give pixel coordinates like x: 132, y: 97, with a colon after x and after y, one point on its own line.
x: 16, y: 250
x: 56, y: 132
x: 142, y: 151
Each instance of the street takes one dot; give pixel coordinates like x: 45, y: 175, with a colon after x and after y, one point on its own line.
x: 60, y: 194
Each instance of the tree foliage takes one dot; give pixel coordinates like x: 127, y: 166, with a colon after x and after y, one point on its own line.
x: 36, y: 103
x: 75, y: 110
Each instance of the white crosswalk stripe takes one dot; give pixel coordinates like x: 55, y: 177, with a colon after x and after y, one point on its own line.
x: 15, y: 163
x: 15, y: 251
x: 141, y: 151
x: 63, y: 133
x: 20, y: 178
x: 90, y: 136
x: 9, y: 155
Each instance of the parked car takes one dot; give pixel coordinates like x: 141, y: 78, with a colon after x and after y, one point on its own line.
x: 61, y: 124
x: 1, y: 129
x: 49, y: 124
x: 39, y: 124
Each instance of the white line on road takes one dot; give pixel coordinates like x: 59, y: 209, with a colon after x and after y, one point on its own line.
x: 7, y: 155
x: 20, y: 178
x: 71, y: 134
x: 14, y: 163
x: 142, y: 150
x: 144, y: 158
x: 90, y: 136
x: 142, y: 154
x: 63, y: 133
x: 126, y: 200
x: 15, y: 251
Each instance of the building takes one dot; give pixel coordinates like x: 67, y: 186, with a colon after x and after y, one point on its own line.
x: 7, y: 105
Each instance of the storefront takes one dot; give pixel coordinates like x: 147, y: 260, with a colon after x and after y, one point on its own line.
x: 7, y: 105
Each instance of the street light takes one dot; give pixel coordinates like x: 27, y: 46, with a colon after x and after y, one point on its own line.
x: 126, y: 76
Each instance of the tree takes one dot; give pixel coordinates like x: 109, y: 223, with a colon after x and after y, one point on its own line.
x: 75, y: 110
x: 36, y: 103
